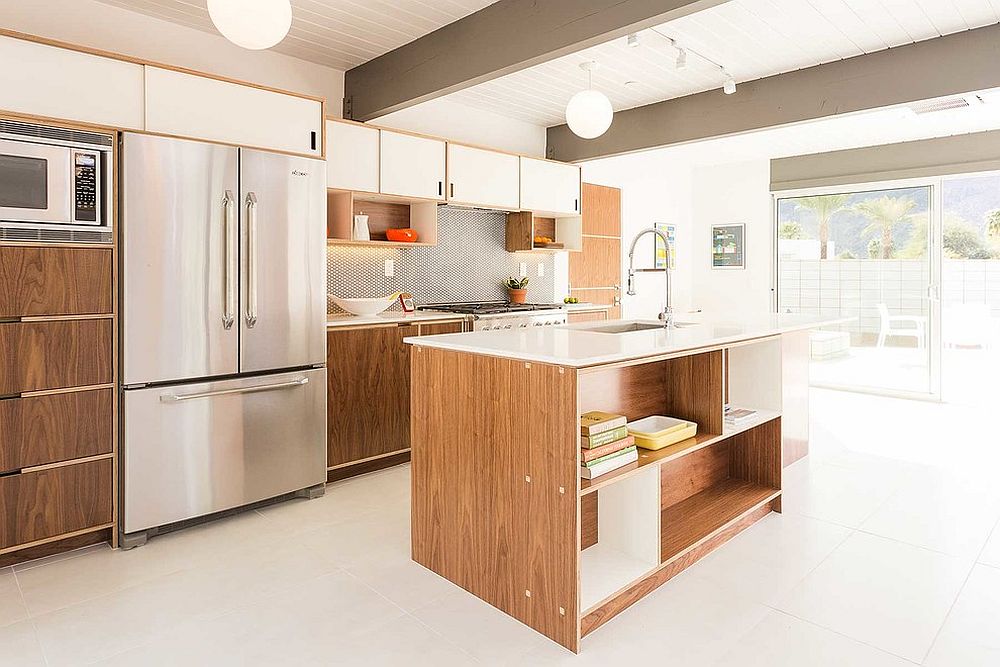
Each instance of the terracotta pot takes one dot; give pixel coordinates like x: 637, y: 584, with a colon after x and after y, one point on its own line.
x: 517, y: 295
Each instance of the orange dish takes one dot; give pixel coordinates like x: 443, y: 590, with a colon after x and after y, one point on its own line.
x: 401, y: 235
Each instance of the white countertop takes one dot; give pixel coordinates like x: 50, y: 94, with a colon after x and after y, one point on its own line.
x: 572, y: 346
x: 393, y: 317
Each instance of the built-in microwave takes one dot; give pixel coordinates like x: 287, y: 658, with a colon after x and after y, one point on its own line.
x: 54, y: 182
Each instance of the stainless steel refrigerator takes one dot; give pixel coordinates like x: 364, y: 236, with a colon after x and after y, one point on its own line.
x: 223, y: 329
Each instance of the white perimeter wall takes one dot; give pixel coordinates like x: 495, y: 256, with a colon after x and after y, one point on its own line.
x: 101, y: 26
x: 670, y: 186
x: 444, y: 118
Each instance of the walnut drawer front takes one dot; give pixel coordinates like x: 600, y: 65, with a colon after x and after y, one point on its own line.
x: 38, y: 430
x: 55, y: 281
x: 54, y: 355
x: 55, y: 501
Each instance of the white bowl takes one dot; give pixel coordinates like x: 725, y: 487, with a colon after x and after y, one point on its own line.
x: 364, y: 307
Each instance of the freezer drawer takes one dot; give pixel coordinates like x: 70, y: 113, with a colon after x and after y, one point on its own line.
x: 195, y: 449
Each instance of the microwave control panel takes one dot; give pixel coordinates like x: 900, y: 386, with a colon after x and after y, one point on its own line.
x: 85, y: 186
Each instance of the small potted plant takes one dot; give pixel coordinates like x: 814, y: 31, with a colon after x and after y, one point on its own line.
x: 517, y: 289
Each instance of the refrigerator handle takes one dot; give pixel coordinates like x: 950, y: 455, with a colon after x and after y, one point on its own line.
x: 251, y: 260
x: 175, y: 398
x: 229, y: 309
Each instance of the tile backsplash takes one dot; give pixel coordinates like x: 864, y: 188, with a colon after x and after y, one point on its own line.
x: 469, y: 263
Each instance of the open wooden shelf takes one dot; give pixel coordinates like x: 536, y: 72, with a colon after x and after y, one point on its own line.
x: 377, y: 243
x: 686, y: 523
x: 383, y: 213
x: 523, y: 226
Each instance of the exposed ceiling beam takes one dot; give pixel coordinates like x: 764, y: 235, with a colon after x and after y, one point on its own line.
x: 505, y: 37
x: 955, y: 64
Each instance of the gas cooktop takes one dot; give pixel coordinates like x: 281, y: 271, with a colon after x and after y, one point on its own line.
x: 489, y: 307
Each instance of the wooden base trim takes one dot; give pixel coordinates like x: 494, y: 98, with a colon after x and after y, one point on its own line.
x: 607, y: 609
x: 56, y: 538
x: 368, y: 465
x: 370, y: 458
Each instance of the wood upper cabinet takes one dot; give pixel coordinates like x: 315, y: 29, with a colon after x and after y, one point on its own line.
x: 62, y: 83
x: 54, y: 355
x: 43, y: 504
x: 39, y: 430
x: 54, y: 281
x: 188, y: 105
x: 481, y: 177
x: 549, y: 187
x: 351, y: 156
x: 411, y: 166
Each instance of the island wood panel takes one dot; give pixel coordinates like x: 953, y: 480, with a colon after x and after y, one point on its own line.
x: 756, y: 455
x: 55, y: 501
x: 38, y: 430
x: 470, y: 496
x: 494, y: 503
x: 598, y: 266
x: 55, y: 354
x: 588, y: 520
x: 598, y: 617
x: 602, y: 210
x: 54, y: 281
x: 695, y: 390
x: 554, y: 533
x: 368, y: 392
x: 684, y: 477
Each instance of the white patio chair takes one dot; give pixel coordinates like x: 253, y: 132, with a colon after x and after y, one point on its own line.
x: 916, y: 326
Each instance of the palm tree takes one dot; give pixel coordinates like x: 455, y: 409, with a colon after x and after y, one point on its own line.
x: 824, y: 207
x: 885, y: 213
x: 993, y: 224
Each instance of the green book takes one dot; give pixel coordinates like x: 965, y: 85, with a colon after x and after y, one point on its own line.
x: 589, y: 442
x: 591, y: 464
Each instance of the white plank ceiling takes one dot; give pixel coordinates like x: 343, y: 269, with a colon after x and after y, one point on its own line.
x: 752, y: 39
x: 336, y: 33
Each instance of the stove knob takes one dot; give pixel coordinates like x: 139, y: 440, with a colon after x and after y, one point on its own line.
x: 538, y: 324
x: 523, y: 325
x: 487, y: 327
x: 507, y: 326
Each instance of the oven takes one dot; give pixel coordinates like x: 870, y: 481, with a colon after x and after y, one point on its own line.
x: 54, y: 180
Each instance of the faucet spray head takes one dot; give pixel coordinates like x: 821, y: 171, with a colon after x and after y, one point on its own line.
x: 631, y: 282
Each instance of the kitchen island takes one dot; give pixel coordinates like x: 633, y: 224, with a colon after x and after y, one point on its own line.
x: 498, y: 505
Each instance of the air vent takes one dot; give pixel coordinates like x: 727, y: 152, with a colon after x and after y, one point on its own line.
x: 55, y: 133
x: 55, y: 235
x: 944, y: 104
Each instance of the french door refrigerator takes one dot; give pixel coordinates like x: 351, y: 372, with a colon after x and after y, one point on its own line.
x: 223, y: 329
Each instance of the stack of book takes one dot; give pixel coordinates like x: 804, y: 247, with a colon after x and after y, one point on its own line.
x: 605, y: 445
x: 739, y: 416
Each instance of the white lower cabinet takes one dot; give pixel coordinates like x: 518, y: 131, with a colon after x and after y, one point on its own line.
x: 53, y: 82
x: 479, y: 177
x: 411, y: 166
x: 551, y: 188
x: 187, y: 105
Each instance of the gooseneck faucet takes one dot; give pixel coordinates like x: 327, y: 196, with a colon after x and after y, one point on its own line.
x: 667, y: 316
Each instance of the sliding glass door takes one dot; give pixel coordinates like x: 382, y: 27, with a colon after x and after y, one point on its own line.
x: 866, y: 254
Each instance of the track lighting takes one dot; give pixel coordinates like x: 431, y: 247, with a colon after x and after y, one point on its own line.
x: 729, y: 87
x: 682, y: 58
x: 632, y: 40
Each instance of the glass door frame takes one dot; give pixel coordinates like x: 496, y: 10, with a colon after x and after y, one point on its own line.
x: 934, y: 258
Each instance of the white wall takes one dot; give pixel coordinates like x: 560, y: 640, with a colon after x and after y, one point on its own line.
x: 444, y: 118
x: 100, y: 26
x: 727, y: 194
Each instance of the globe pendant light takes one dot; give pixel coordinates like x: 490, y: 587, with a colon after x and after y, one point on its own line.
x: 589, y: 112
x: 252, y: 24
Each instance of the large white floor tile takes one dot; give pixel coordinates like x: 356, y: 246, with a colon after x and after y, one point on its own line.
x: 12, y: 608
x: 888, y: 594
x: 768, y: 559
x: 838, y: 494
x: 19, y: 646
x: 991, y: 552
x: 971, y: 635
x: 941, y: 511
x: 402, y: 581
x: 785, y: 641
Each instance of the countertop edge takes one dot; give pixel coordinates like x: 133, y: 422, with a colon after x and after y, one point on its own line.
x: 377, y: 320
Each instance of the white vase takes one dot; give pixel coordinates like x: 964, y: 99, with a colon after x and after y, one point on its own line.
x: 361, y: 232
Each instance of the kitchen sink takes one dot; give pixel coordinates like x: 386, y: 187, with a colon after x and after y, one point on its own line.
x: 630, y: 327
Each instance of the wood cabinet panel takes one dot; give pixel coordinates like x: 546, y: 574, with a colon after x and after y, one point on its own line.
x: 54, y: 281
x: 54, y: 355
x: 47, y: 503
x: 368, y: 397
x: 604, y: 296
x: 602, y: 210
x: 440, y: 328
x: 56, y: 427
x: 591, y: 316
x: 599, y: 265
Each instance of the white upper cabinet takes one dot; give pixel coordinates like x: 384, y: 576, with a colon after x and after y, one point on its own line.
x: 199, y: 107
x: 550, y: 187
x: 481, y: 177
x: 60, y: 83
x: 351, y: 156
x: 412, y: 166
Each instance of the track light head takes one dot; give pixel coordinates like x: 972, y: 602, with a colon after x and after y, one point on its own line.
x: 729, y: 87
x: 632, y: 40
x: 682, y: 59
